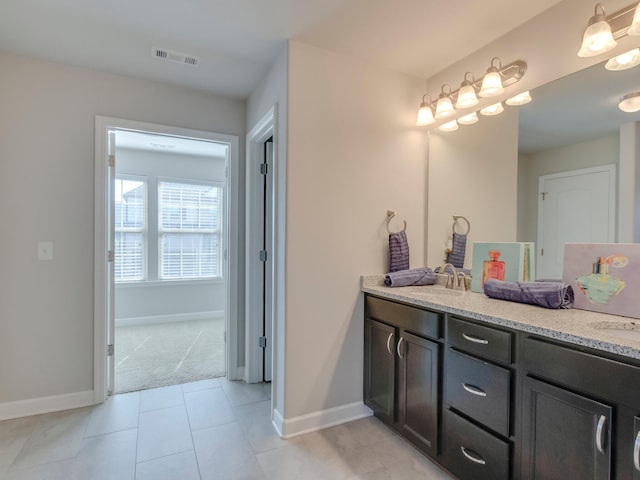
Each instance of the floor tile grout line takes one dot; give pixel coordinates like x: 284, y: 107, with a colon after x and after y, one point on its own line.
x: 193, y: 443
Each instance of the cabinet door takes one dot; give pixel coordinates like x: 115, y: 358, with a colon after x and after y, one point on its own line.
x: 564, y: 435
x: 418, y: 391
x: 636, y: 448
x: 379, y: 366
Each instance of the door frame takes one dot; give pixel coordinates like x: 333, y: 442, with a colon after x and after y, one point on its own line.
x: 103, y: 294
x: 264, y: 129
x: 611, y: 227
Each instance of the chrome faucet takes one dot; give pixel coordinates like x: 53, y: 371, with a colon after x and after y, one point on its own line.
x: 450, y: 276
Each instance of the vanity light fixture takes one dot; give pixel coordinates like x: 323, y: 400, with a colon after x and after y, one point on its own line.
x: 425, y: 114
x: 492, y: 81
x: 467, y: 93
x: 494, y: 109
x: 634, y: 29
x: 630, y: 103
x: 468, y: 119
x: 624, y: 60
x: 520, y: 99
x: 449, y: 126
x: 444, y: 107
x: 597, y: 37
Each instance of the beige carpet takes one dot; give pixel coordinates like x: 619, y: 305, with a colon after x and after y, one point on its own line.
x: 168, y: 354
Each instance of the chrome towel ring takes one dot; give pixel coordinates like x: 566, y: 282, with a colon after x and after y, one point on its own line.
x: 455, y: 222
x: 390, y: 215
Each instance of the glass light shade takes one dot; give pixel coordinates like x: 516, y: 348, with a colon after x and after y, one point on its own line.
x: 520, y: 99
x: 597, y: 39
x: 466, y: 96
x: 444, y: 107
x: 624, y: 60
x: 425, y: 115
x: 630, y: 103
x: 449, y: 126
x: 634, y: 29
x: 491, y: 84
x: 494, y: 109
x: 469, y: 119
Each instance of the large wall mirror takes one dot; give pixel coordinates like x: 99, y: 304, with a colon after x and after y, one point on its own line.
x: 571, y: 142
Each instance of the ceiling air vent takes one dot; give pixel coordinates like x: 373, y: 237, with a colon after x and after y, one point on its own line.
x: 176, y: 57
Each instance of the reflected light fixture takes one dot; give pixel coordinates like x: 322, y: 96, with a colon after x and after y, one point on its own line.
x: 634, y: 29
x: 492, y: 82
x: 467, y: 93
x: 468, y: 119
x: 494, y: 109
x: 630, y: 103
x: 449, y: 126
x: 520, y: 99
x: 425, y: 114
x: 444, y: 107
x: 624, y: 60
x: 597, y: 37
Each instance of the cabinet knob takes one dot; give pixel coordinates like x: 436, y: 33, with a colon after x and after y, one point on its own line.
x: 472, y: 456
x: 600, y: 433
x: 474, y: 339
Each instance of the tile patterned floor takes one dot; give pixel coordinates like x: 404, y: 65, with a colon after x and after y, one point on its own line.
x: 209, y: 430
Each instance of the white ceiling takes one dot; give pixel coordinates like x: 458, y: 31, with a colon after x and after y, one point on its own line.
x: 236, y: 40
x: 169, y: 144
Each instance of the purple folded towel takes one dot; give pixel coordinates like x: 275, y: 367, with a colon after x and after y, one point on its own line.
x: 543, y: 294
x: 458, y: 249
x: 405, y: 278
x: 398, y: 252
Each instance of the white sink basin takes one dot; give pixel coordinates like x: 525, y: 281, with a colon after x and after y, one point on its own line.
x: 623, y: 330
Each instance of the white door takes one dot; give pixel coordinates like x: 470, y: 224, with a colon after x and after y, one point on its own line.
x: 111, y: 211
x: 577, y: 206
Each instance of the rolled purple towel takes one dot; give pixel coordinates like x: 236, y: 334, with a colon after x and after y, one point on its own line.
x: 543, y: 294
x: 413, y: 277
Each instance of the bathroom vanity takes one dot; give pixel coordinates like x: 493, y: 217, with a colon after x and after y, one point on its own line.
x: 499, y: 390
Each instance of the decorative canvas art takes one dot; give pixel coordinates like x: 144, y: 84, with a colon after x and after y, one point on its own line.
x: 509, y: 261
x: 605, y: 276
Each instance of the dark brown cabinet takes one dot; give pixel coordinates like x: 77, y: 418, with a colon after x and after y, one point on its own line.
x: 401, y: 369
x: 565, y: 435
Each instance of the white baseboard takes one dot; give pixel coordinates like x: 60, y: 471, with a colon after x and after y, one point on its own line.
x: 174, y: 317
x: 36, y: 406
x: 292, y: 427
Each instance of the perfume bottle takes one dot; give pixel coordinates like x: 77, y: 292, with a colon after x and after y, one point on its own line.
x: 599, y: 286
x: 493, y: 268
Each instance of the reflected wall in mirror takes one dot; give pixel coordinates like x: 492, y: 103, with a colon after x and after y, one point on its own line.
x: 575, y: 151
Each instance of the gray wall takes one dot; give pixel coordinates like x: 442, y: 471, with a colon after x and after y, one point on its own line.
x: 47, y: 146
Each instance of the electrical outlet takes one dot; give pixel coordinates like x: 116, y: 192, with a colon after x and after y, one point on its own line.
x: 45, y: 250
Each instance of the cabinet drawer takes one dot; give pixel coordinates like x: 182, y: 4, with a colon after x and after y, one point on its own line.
x: 583, y: 371
x: 484, y: 341
x: 479, y: 390
x: 471, y: 453
x: 414, y: 320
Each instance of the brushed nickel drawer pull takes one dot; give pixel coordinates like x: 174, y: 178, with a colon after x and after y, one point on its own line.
x: 599, y: 433
x: 389, y: 341
x: 398, y: 348
x: 636, y: 452
x: 474, y: 458
x: 474, y: 390
x: 473, y: 339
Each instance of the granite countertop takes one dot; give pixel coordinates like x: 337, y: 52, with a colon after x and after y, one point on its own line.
x: 610, y: 333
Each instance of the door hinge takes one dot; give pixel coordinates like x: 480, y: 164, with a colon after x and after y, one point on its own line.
x: 110, y: 350
x: 544, y: 194
x: 262, y: 342
x: 111, y: 161
x: 263, y: 169
x: 263, y: 255
x: 111, y: 256
x: 542, y: 252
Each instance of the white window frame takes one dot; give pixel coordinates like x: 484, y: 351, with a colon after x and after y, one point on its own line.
x: 217, y: 232
x: 143, y: 231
